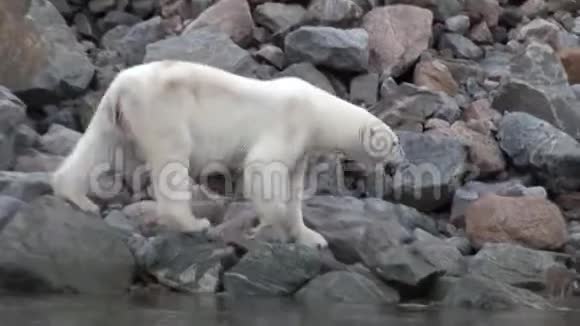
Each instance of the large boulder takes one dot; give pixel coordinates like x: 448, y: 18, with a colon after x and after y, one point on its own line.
x: 271, y: 269
x: 331, y: 47
x: 537, y: 83
x: 278, y: 18
x: 205, y: 46
x: 542, y: 149
x: 232, y: 17
x: 338, y: 13
x: 514, y: 265
x: 24, y: 186
x: 49, y: 246
x: 346, y: 287
x: 131, y: 44
x: 531, y: 221
x: 59, y: 140
x: 308, y: 72
x: 12, y: 115
x: 187, y: 262
x: 398, y: 34
x: 41, y: 59
x: 437, y: 167
x: 477, y: 292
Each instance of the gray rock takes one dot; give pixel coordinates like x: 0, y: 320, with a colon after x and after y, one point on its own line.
x: 405, y: 265
x: 458, y: 24
x: 408, y: 107
x: 118, y: 18
x: 346, y: 287
x: 337, y: 13
x: 513, y: 264
x: 329, y: 47
x: 12, y: 115
x: 31, y: 160
x: 308, y: 72
x: 541, y: 148
x: 43, y: 62
x: 278, y: 18
x: 49, y: 246
x: 272, y: 270
x: 133, y: 45
x: 204, y: 46
x: 537, y: 84
x: 460, y: 46
x: 59, y: 140
x: 143, y: 8
x: 273, y: 55
x: 351, y: 225
x: 476, y: 292
x: 26, y: 137
x: 444, y: 256
x: 24, y: 186
x: 437, y: 167
x: 186, y: 262
x: 112, y: 38
x: 99, y: 6
x: 364, y: 89
x: 9, y: 206
x: 539, y: 30
x: 118, y: 220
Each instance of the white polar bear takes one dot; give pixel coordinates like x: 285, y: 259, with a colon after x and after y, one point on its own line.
x: 184, y: 116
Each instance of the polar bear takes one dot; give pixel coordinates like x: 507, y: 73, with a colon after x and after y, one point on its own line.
x: 184, y: 116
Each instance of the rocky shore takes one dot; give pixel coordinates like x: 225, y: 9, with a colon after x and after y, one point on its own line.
x: 485, y: 95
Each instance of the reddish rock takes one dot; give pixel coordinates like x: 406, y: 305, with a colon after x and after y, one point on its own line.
x: 480, y: 33
x: 484, y: 152
x: 435, y: 75
x: 533, y: 222
x: 484, y: 10
x: 480, y: 110
x: 570, y: 58
x: 232, y: 17
x: 398, y: 35
x: 569, y: 201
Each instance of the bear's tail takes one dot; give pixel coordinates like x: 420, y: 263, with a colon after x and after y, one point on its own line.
x: 93, y: 153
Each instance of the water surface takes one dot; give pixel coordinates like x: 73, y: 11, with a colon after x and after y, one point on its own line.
x: 177, y: 310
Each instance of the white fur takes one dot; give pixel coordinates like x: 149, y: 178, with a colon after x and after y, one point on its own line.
x: 198, y: 115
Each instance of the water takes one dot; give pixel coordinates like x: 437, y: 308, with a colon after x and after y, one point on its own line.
x: 178, y: 310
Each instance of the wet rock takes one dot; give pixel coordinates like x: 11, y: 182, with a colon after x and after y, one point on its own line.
x: 358, y: 229
x: 346, y: 287
x: 473, y: 190
x: 231, y: 17
x: 337, y: 13
x: 513, y: 264
x: 86, y: 256
x: 437, y: 167
x: 43, y: 62
x: 406, y: 105
x: 542, y: 149
x: 398, y: 34
x: 570, y: 58
x: 330, y: 47
x: 278, y: 18
x: 272, y: 270
x: 308, y: 72
x: 531, y: 221
x: 186, y: 262
x: 24, y: 186
x: 406, y: 266
x: 12, y: 115
x: 203, y: 46
x: 59, y: 140
x: 460, y: 46
x: 435, y: 76
x: 364, y: 89
x: 476, y: 292
x: 32, y: 160
x: 133, y: 45
x: 537, y: 84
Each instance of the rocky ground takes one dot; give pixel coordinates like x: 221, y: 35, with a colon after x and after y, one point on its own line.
x: 483, y: 93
